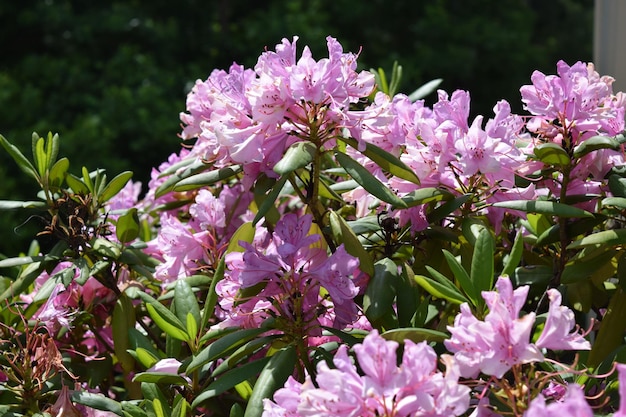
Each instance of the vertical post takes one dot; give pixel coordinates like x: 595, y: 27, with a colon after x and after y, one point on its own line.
x: 609, y: 40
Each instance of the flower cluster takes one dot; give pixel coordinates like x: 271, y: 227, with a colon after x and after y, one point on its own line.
x: 386, y: 389
x: 502, y: 340
x: 288, y: 274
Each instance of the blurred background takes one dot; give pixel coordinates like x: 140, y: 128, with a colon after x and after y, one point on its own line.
x: 112, y: 77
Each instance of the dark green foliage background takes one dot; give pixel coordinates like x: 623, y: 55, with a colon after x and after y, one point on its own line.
x: 112, y: 77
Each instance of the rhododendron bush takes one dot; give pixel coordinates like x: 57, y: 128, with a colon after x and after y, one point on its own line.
x: 323, y: 246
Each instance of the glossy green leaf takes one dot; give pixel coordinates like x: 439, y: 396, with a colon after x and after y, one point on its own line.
x: 342, y: 233
x: 76, y: 184
x: 145, y: 357
x: 58, y: 172
x: 181, y: 407
x: 164, y: 317
x: 482, y: 270
x: 594, y: 143
x: 381, y: 292
x: 114, y: 186
x: 439, y: 290
x: 179, y: 172
x: 160, y: 378
x: 425, y: 89
x: 22, y: 162
x: 552, y: 154
x: 426, y: 195
x: 385, y: 160
x: 39, y: 156
x: 171, y: 327
x: 602, y: 265
x: 512, y: 260
x: 185, y: 304
x: 272, y: 377
x: 211, y: 297
x: 127, y: 226
x: 122, y: 320
x: 87, y: 179
x: 205, y: 179
x: 97, y: 401
x: 106, y: 248
x: 368, y: 181
x: 19, y: 205
x: 243, y: 352
x: 617, y: 185
x: 462, y: 277
x: 297, y: 156
x: 24, y: 260
x: 619, y: 202
x: 269, y: 200
x: 24, y: 280
x: 414, y: 334
x: 231, y: 378
x: 447, y: 208
x: 407, y: 296
x: 605, y: 237
x: 223, y: 346
x: 546, y: 207
x: 533, y: 275
x: 573, y: 229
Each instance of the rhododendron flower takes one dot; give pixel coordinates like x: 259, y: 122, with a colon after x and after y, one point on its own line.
x: 413, y: 388
x: 572, y: 404
x: 502, y: 340
x: 289, y: 267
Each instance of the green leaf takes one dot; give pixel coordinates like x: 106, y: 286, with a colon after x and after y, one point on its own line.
x: 297, y: 156
x: 114, y: 186
x: 572, y: 229
x: 617, y: 185
x: 243, y: 352
x: 594, y: 143
x: 482, y: 270
x: 24, y: 260
x: 462, y: 277
x: 24, y: 280
x: 447, y: 208
x: 425, y: 89
x: 145, y: 357
x: 106, y: 248
x: 385, y: 160
x: 19, y: 205
x: 127, y: 226
x: 425, y: 195
x: 272, y: 377
x: 122, y: 320
x: 160, y: 378
x: 545, y: 207
x: 552, y: 154
x: 97, y: 401
x: 87, y: 180
x: 619, y: 202
x: 229, y: 379
x: 414, y: 334
x: 515, y: 256
x: 605, y: 237
x: 270, y: 199
x: 533, y: 275
x: 24, y: 164
x: 586, y: 267
x: 223, y: 346
x: 205, y: 179
x: 440, y: 290
x: 342, y: 233
x: 186, y: 305
x: 368, y: 181
x: 191, y: 167
x: 40, y: 157
x: 380, y: 293
x: 58, y: 172
x: 172, y: 327
x: 76, y: 184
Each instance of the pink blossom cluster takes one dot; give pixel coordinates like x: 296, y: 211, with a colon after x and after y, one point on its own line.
x: 288, y: 274
x: 250, y: 116
x: 493, y: 345
x: 415, y: 387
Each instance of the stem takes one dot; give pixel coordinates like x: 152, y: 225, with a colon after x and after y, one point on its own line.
x: 563, y: 238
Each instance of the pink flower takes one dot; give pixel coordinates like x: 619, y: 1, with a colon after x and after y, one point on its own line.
x: 572, y: 405
x: 502, y: 340
x: 621, y: 373
x: 556, y: 332
x: 413, y: 388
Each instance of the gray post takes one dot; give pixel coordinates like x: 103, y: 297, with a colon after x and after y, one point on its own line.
x: 609, y: 40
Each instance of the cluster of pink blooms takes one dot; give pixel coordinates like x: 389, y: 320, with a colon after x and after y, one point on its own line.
x: 289, y: 267
x: 502, y: 340
x: 417, y: 388
x: 250, y: 117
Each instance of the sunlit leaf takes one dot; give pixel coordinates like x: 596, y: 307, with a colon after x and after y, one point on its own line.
x: 297, y: 156
x: 594, y: 143
x: 114, y: 186
x: 546, y: 207
x: 552, y: 154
